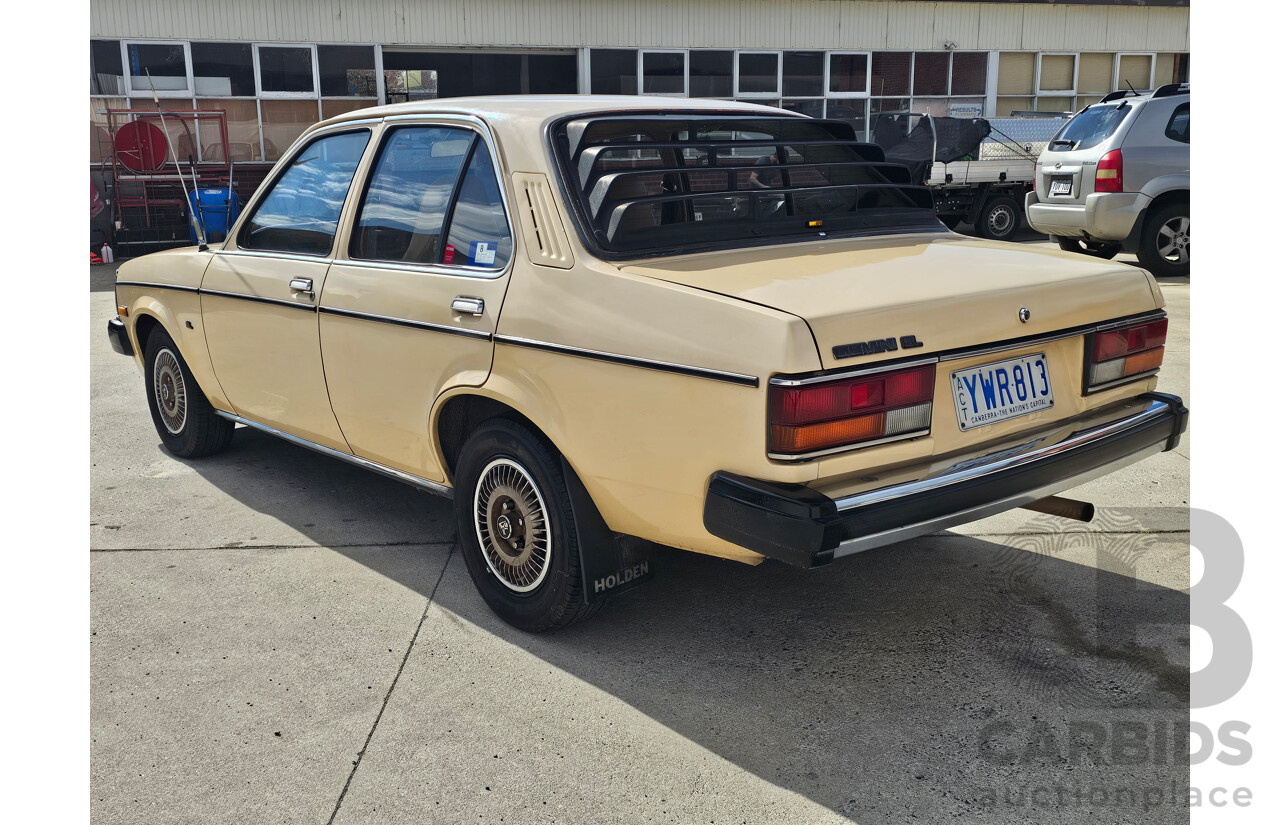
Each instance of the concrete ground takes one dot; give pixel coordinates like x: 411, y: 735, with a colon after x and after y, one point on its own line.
x: 278, y: 637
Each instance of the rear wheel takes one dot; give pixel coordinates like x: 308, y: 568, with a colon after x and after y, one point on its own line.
x: 1165, y: 248
x: 1094, y: 248
x: 185, y: 420
x: 999, y: 218
x: 516, y: 528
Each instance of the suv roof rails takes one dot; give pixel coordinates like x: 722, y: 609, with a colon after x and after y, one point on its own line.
x: 1170, y: 89
x: 1123, y: 93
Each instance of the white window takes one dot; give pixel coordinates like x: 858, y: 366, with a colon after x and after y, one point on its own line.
x: 758, y: 75
x: 848, y: 74
x: 162, y: 65
x: 286, y: 70
x: 664, y: 72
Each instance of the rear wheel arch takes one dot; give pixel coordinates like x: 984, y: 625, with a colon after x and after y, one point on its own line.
x: 1172, y: 196
x: 462, y: 413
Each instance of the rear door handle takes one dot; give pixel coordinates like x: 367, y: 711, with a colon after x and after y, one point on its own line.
x: 468, y: 306
x: 302, y: 285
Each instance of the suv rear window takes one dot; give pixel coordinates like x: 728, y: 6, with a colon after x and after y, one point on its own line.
x: 648, y: 184
x: 1089, y: 128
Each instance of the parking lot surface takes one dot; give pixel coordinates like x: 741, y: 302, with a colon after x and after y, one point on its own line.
x: 278, y: 637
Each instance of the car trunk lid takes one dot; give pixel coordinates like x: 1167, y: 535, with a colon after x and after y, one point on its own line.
x: 867, y: 300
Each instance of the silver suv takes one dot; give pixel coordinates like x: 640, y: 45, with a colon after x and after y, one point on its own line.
x: 1118, y: 177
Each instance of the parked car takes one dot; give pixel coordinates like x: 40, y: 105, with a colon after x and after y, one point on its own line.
x: 577, y: 318
x: 1118, y: 177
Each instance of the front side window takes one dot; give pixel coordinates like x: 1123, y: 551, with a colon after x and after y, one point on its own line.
x: 404, y: 208
x: 300, y: 213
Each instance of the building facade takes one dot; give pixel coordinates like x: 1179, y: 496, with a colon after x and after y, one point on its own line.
x: 277, y: 66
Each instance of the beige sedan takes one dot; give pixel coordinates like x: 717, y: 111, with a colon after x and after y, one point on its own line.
x: 604, y: 323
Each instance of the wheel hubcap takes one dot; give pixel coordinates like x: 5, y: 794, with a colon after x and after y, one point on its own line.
x: 1000, y: 220
x: 512, y: 525
x: 1173, y: 241
x: 171, y: 391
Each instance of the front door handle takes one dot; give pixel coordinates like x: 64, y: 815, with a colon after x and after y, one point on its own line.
x: 302, y: 285
x: 468, y: 306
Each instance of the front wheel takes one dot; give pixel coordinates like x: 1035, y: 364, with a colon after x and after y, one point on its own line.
x: 185, y: 420
x: 516, y: 528
x: 1165, y: 248
x: 999, y: 218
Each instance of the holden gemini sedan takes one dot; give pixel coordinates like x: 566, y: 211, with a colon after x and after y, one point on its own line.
x: 600, y: 324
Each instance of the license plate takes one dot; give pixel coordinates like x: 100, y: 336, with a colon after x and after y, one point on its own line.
x: 1060, y: 186
x: 1000, y: 391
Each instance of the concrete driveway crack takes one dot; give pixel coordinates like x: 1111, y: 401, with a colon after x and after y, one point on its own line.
x: 355, y: 766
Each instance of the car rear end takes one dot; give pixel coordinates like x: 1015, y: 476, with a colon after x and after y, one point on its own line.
x: 1079, y: 181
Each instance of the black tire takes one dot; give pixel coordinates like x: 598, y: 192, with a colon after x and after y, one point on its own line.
x: 1165, y: 247
x: 999, y: 218
x: 1106, y: 251
x: 185, y: 420
x: 530, y: 577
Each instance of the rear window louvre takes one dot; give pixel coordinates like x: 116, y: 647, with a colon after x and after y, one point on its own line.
x: 661, y: 184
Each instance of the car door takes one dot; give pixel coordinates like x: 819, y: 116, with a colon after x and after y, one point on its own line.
x: 410, y: 305
x: 258, y: 296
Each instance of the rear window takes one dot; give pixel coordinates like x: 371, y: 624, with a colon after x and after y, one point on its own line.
x: 1089, y: 128
x: 663, y: 184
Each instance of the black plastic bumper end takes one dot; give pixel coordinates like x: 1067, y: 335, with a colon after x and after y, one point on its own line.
x: 119, y: 337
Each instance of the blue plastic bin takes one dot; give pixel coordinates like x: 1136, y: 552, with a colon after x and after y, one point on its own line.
x: 218, y: 209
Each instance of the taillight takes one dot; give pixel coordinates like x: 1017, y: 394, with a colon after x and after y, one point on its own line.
x: 837, y: 413
x: 1124, y: 352
x: 1110, y: 174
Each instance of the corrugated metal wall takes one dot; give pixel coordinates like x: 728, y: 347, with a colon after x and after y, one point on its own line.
x: 784, y: 24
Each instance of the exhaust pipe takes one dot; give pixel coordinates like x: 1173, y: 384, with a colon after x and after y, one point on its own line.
x: 1063, y: 508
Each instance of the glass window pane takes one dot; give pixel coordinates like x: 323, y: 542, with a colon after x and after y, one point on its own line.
x: 969, y: 73
x: 347, y: 71
x: 478, y: 233
x: 1007, y: 105
x: 223, y: 69
x: 711, y: 74
x: 931, y: 73
x: 1017, y: 73
x: 663, y: 73
x: 1135, y: 70
x: 283, y: 121
x: 300, y: 213
x: 1179, y: 126
x: 613, y: 71
x: 896, y: 104
x: 242, y: 131
x: 1057, y: 72
x: 403, y: 209
x: 890, y: 73
x: 166, y: 64
x: 553, y: 74
x: 333, y: 108
x: 1095, y: 73
x: 802, y: 73
x: 1054, y: 104
x: 106, y: 72
x: 811, y: 106
x: 100, y: 147
x: 757, y: 73
x: 286, y: 69
x: 848, y: 73
x: 851, y: 111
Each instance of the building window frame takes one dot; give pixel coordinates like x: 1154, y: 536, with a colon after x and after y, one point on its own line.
x: 314, y: 94
x: 1075, y: 75
x: 130, y: 92
x: 1115, y: 69
x: 640, y: 55
x: 776, y: 94
x: 826, y: 79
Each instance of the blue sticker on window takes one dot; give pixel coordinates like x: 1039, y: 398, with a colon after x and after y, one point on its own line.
x: 482, y: 253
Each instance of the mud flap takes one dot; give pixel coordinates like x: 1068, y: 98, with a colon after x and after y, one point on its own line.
x: 610, y: 562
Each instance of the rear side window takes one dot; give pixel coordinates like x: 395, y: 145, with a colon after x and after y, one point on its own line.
x: 300, y: 213
x: 1089, y: 128
x: 413, y: 181
x: 478, y: 233
x: 1179, y: 127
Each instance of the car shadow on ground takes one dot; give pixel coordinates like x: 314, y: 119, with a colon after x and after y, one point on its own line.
x: 948, y: 675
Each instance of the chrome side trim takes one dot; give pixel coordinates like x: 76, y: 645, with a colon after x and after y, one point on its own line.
x: 851, y: 546
x: 257, y: 299
x: 405, y: 322
x: 631, y: 361
x: 853, y: 502
x: 150, y: 285
x: 430, y: 486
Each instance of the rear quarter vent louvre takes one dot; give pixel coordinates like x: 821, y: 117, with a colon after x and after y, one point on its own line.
x: 546, y: 243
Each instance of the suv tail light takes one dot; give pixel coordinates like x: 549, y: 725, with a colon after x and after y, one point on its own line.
x: 1125, y: 352
x: 1110, y: 174
x: 837, y: 413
